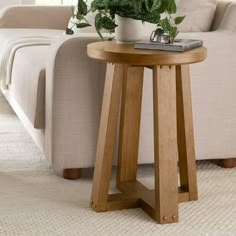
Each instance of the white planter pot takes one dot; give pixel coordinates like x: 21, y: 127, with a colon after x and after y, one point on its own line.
x: 128, y: 30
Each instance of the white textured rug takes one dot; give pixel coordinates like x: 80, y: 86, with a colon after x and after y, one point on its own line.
x: 35, y: 202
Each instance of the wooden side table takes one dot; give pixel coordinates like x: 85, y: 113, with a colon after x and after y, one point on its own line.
x: 173, y: 129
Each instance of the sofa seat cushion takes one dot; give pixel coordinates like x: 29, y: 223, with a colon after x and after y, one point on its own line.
x: 28, y: 82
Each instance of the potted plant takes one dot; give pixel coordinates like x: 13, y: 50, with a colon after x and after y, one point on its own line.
x: 127, y: 16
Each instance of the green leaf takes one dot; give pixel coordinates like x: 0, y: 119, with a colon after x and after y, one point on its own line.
x: 108, y: 23
x: 151, y: 17
x: 82, y: 7
x: 171, y: 8
x: 93, y: 6
x: 125, y: 3
x: 98, y: 24
x: 69, y: 31
x: 98, y: 21
x: 100, y: 5
x: 113, y: 12
x: 173, y: 31
x: 82, y: 25
x: 148, y: 5
x: 156, y: 5
x: 137, y: 6
x: 163, y: 6
x: 165, y: 24
x: 79, y: 16
x: 179, y: 19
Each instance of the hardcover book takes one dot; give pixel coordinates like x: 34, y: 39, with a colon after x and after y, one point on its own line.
x: 179, y: 45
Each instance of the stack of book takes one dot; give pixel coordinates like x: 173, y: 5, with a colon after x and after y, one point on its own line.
x: 179, y: 45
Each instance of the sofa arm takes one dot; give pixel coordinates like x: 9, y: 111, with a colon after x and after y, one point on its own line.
x: 74, y: 88
x: 42, y: 17
x: 213, y: 95
x: 228, y: 22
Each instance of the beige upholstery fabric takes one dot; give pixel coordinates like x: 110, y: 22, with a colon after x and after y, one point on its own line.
x: 219, y: 13
x: 198, y: 14
x: 228, y: 23
x: 73, y: 108
x: 212, y: 89
x: 74, y: 86
x: 213, y: 95
x: 213, y: 110
x: 10, y: 33
x: 51, y: 17
x: 28, y: 85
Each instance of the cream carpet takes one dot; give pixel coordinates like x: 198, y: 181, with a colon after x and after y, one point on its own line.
x: 35, y: 202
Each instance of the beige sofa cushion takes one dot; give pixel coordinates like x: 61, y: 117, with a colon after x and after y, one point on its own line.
x: 51, y: 17
x: 221, y: 7
x: 198, y: 14
x: 28, y: 82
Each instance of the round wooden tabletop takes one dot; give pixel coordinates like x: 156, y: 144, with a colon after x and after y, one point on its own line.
x: 110, y: 51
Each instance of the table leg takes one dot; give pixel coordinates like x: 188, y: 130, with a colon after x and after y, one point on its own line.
x: 165, y: 144
x: 106, y: 137
x: 130, y: 125
x: 187, y: 165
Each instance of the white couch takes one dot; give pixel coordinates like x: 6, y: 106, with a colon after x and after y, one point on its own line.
x: 56, y: 90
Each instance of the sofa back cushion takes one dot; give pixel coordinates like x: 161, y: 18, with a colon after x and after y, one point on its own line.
x: 198, y: 14
x: 40, y: 17
x: 221, y: 7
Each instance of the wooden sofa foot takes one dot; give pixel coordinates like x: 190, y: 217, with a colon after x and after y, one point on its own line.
x: 227, y: 163
x: 72, y: 174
